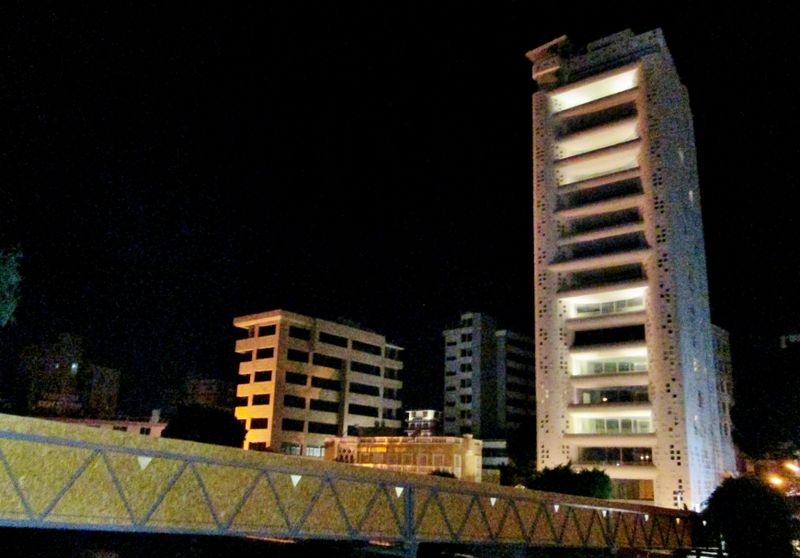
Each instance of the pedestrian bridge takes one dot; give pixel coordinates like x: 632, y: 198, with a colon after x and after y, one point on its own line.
x: 63, y: 476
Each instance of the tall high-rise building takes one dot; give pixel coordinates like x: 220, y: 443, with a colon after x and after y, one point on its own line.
x: 723, y: 365
x: 625, y: 374
x: 304, y: 379
x: 488, y: 378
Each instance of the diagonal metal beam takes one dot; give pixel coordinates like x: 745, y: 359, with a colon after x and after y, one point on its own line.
x: 15, y: 483
x: 149, y: 513
x: 70, y: 482
x: 118, y: 487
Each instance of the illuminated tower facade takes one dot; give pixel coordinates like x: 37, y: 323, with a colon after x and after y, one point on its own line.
x: 625, y: 376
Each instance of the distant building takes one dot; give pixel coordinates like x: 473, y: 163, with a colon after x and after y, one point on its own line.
x: 209, y: 392
x: 304, y: 379
x: 61, y: 382
x: 724, y: 369
x: 460, y: 456
x: 488, y: 378
x: 423, y: 422
x: 152, y: 427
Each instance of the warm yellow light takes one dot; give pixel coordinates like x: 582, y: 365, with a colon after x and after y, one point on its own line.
x: 792, y: 467
x: 776, y: 480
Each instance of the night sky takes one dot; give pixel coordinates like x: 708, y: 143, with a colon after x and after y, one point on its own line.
x: 167, y: 169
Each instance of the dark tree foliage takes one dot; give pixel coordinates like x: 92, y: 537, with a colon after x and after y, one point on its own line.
x: 562, y: 479
x: 206, y: 424
x: 9, y: 284
x: 442, y: 473
x: 752, y: 518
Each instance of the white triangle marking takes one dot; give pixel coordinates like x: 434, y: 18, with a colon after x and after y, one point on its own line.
x: 144, y: 461
x: 493, y: 500
x: 398, y: 490
x: 296, y: 479
x: 556, y: 506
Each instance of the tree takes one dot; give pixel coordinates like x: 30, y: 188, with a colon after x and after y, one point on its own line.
x: 752, y: 518
x: 9, y: 284
x: 209, y: 425
x: 593, y: 483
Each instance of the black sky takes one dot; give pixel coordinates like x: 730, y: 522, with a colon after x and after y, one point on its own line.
x: 165, y: 169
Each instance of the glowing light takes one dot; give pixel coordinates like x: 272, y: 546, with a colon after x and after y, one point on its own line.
x: 646, y: 517
x: 555, y: 507
x: 792, y: 467
x: 398, y: 490
x: 296, y: 479
x: 493, y: 500
x: 775, y: 480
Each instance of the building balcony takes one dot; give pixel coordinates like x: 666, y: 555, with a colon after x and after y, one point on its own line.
x: 644, y: 471
x: 594, y: 88
x: 599, y: 381
x: 605, y: 232
x: 611, y: 440
x: 611, y: 320
x: 600, y: 181
x: 594, y: 410
x: 605, y: 206
x: 626, y: 257
x: 596, y: 138
x: 612, y: 350
x: 609, y: 160
x: 602, y: 289
x: 603, y: 103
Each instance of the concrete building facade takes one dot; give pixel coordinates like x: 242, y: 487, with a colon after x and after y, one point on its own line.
x: 723, y: 365
x: 304, y: 379
x: 625, y: 373
x: 488, y: 378
x: 459, y: 455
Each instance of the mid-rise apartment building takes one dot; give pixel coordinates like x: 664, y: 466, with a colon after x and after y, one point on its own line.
x: 625, y: 374
x: 305, y: 379
x: 488, y: 378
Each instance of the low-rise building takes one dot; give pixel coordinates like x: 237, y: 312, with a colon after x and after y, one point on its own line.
x: 423, y: 422
x: 461, y: 456
x: 304, y: 379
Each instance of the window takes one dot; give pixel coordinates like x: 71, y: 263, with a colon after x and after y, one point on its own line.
x: 393, y: 353
x: 262, y: 399
x: 300, y: 333
x: 322, y: 405
x: 364, y: 389
x: 466, y: 352
x: 291, y: 448
x: 466, y: 399
x: 389, y: 393
x: 314, y: 451
x: 257, y: 446
x: 292, y: 426
x: 297, y: 356
x: 294, y: 401
x: 324, y: 383
x: 263, y: 376
x: 265, y: 330
x: 327, y: 361
x: 265, y: 353
x: 331, y: 339
x: 466, y: 383
x: 370, y: 369
x: 367, y: 348
x: 466, y: 414
x: 322, y: 428
x: 465, y: 367
x: 145, y: 430
x: 392, y: 373
x: 465, y: 337
x: 362, y: 410
x: 244, y: 379
x: 259, y: 423
x: 295, y: 378
x: 120, y: 428
x: 242, y: 401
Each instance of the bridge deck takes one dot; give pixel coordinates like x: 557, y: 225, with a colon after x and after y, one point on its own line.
x: 55, y: 475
